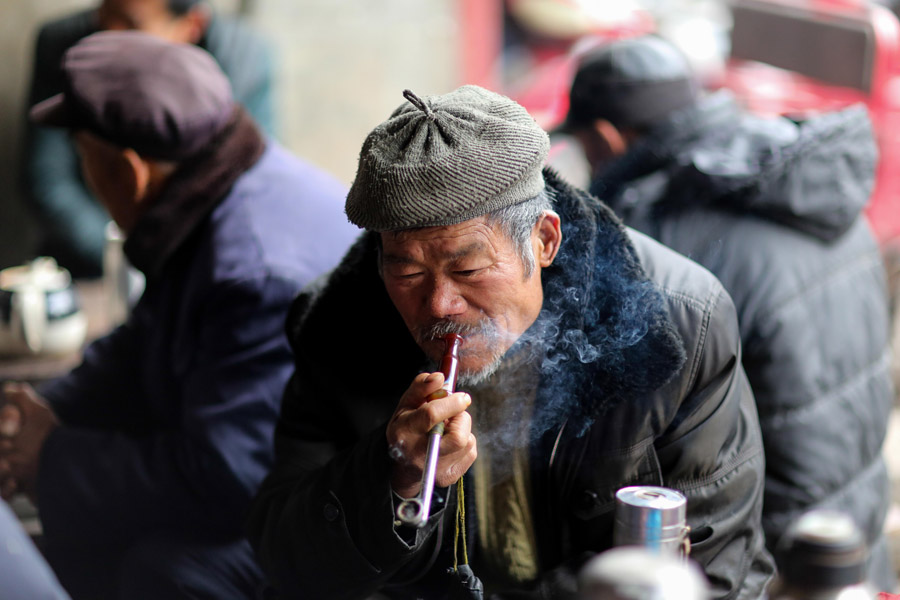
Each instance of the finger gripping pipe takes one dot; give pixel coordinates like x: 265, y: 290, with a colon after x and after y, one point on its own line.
x: 415, y: 511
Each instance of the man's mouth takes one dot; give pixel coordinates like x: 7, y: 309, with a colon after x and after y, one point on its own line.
x: 480, y: 352
x: 433, y: 335
x: 441, y: 328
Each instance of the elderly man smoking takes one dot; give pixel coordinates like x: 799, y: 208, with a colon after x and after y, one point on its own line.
x: 593, y: 358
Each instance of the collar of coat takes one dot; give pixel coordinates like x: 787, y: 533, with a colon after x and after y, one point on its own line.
x: 609, y: 337
x: 191, y: 194
x: 604, y: 335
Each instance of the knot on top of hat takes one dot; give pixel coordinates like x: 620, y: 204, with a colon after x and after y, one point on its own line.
x: 446, y: 158
x: 419, y: 103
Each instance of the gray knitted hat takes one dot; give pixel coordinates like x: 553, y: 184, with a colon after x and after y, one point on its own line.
x: 446, y: 159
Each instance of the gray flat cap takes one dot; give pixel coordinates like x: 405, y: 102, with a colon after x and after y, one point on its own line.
x: 445, y: 159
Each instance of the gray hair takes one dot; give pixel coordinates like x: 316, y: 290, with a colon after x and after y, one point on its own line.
x: 517, y: 222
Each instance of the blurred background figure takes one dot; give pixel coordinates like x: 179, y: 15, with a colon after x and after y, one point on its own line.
x: 71, y: 220
x: 143, y: 460
x: 639, y: 573
x: 774, y: 209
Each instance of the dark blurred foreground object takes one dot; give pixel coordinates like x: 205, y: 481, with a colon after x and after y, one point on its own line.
x: 822, y: 556
x: 774, y: 208
x: 24, y: 574
x: 70, y: 219
x: 640, y: 573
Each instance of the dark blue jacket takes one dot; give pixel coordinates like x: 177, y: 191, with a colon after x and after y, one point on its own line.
x: 168, y: 423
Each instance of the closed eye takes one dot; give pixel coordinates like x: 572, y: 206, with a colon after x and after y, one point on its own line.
x: 407, y: 275
x: 467, y: 272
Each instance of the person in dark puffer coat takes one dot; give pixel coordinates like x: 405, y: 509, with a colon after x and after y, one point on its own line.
x: 773, y: 208
x: 611, y: 361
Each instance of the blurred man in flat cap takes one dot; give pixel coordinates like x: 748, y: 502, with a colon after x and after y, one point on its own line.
x: 70, y: 219
x: 774, y: 208
x: 143, y: 460
x: 592, y: 358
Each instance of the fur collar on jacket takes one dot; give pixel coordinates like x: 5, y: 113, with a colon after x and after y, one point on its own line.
x: 610, y: 337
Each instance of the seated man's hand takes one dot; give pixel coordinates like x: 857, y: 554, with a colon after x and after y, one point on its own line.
x: 25, y: 422
x: 407, y: 435
x: 10, y: 424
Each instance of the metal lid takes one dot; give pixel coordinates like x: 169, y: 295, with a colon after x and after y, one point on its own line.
x: 643, y: 506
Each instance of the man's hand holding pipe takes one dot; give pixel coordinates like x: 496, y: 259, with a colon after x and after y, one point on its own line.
x: 407, y: 435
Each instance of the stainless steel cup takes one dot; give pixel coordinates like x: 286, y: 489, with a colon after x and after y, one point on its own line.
x: 652, y: 517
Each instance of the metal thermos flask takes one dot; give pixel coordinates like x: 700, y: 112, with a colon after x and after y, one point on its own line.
x: 652, y: 517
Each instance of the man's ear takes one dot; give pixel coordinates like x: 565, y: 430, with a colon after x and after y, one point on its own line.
x: 548, y: 238
x: 613, y: 139
x: 602, y: 142
x: 136, y: 176
x: 192, y: 24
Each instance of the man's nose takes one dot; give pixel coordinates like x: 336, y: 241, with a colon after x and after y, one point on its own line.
x: 445, y: 299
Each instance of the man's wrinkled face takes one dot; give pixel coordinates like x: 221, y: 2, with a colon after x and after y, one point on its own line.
x: 465, y: 278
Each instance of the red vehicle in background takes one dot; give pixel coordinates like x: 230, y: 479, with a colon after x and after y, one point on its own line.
x: 795, y: 57
x: 788, y: 57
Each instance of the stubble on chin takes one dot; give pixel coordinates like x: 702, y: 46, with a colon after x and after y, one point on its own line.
x: 475, y: 378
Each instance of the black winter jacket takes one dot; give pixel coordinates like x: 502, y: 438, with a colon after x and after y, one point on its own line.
x: 774, y: 209
x: 641, y: 383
